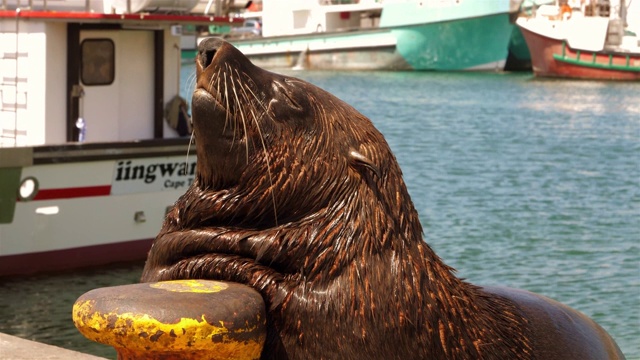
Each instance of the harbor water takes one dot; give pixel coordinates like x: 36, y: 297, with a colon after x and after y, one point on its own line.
x: 522, y: 182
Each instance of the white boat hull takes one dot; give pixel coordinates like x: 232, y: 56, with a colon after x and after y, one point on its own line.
x: 98, y: 205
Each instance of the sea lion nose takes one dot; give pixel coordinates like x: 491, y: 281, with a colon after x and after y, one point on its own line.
x: 207, y: 50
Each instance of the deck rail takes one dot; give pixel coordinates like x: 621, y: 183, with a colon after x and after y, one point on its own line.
x: 591, y: 59
x: 31, y: 5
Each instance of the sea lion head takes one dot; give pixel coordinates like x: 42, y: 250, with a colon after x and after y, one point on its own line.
x: 280, y: 147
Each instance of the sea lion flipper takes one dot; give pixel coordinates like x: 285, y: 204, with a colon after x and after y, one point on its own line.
x: 357, y: 159
x: 558, y: 331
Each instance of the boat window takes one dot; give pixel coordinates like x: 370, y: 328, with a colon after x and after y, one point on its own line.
x: 97, y: 61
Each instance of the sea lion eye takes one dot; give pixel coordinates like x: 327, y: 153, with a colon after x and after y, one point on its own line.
x: 292, y: 102
x: 282, y: 92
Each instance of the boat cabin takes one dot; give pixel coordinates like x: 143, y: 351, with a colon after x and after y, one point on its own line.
x: 286, y: 17
x: 84, y: 71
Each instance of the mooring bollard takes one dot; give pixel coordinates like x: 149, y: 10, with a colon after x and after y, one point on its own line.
x: 181, y: 319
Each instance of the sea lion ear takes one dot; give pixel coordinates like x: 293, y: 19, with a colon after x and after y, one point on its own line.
x: 359, y: 160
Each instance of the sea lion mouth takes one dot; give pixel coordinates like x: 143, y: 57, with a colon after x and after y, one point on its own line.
x: 214, y: 108
x: 208, y: 106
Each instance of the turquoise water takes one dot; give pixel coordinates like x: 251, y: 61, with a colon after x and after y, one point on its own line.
x: 519, y: 182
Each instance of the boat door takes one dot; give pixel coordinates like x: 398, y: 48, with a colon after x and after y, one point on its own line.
x: 116, y: 82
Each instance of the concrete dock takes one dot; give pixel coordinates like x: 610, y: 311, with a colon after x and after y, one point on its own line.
x: 15, y: 348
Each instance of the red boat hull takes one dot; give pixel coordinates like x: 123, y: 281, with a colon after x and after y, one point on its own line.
x: 553, y: 58
x: 68, y: 259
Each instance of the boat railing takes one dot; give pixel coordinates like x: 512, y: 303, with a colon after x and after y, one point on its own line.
x: 43, y: 5
x: 592, y: 60
x: 74, y: 5
x: 546, y: 8
x: 344, y: 2
x: 349, y: 2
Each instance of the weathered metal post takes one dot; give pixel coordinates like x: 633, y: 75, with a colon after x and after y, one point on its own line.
x: 182, y: 319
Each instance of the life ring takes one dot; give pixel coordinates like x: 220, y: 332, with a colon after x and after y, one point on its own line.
x: 177, y: 115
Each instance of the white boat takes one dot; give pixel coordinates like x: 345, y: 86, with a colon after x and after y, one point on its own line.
x: 88, y: 161
x: 381, y: 34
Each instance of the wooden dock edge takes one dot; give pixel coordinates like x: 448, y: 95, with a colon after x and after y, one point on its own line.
x: 15, y: 348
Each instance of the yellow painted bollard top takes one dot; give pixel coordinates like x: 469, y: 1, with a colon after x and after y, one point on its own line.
x: 181, y: 319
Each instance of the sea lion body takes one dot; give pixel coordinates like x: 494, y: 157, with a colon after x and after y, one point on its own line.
x: 558, y: 331
x: 299, y: 196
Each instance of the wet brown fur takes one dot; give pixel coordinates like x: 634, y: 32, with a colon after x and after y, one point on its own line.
x: 299, y: 196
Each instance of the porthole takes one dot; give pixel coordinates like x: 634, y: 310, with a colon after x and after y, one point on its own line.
x: 28, y: 188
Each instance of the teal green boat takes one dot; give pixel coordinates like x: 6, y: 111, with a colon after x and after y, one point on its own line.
x: 381, y: 35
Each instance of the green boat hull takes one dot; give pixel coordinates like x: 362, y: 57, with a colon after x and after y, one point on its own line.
x: 470, y: 44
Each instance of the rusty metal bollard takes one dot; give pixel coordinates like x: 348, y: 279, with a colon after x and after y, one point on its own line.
x: 181, y: 319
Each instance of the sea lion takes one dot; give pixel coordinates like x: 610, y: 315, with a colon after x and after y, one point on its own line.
x: 299, y: 196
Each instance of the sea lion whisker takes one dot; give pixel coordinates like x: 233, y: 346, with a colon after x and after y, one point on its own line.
x: 186, y: 159
x: 209, y: 87
x: 216, y: 80
x: 245, y: 91
x: 226, y: 99
x: 247, y: 94
x: 212, y: 81
x: 192, y: 80
x: 247, y: 86
x: 243, y: 94
x: 260, y: 102
x: 237, y: 107
x: 244, y: 122
x: 247, y: 82
x: 268, y: 161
